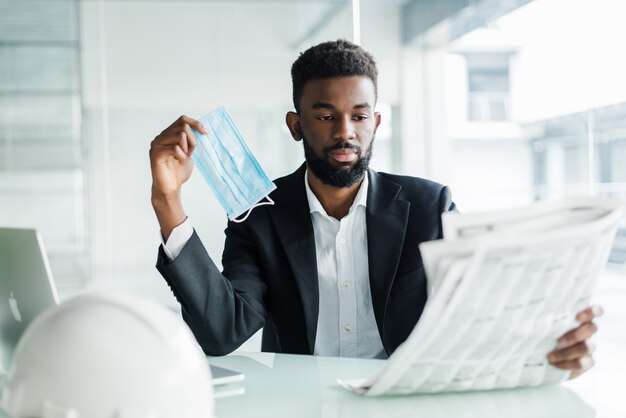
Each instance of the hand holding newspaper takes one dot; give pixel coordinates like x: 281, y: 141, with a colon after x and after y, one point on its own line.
x: 503, y: 286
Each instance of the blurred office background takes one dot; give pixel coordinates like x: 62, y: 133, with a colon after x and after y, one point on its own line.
x: 506, y: 101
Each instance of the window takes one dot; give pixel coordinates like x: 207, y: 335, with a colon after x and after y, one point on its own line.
x: 488, y: 86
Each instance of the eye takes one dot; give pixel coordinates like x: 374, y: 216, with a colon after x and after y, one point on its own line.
x: 360, y: 117
x: 325, y: 117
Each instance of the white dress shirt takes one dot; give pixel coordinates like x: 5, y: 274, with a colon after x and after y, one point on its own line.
x: 177, y: 239
x: 346, y: 326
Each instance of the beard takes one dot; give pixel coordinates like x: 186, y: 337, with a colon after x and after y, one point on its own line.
x: 337, y: 176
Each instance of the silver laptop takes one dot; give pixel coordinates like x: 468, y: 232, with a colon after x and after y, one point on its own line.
x: 26, y: 286
x: 27, y: 289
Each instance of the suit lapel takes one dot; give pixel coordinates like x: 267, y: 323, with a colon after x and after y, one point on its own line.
x: 292, y: 221
x: 387, y: 219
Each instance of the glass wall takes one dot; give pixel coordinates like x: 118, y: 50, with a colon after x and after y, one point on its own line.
x: 42, y: 168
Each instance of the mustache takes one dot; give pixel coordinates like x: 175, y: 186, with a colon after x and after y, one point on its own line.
x: 342, y: 145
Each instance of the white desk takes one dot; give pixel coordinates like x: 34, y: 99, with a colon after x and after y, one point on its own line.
x: 283, y: 385
x: 305, y: 386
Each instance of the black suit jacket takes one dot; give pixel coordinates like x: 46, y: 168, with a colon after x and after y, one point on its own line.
x: 270, y: 267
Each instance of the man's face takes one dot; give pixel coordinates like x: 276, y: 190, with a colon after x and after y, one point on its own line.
x: 337, y: 123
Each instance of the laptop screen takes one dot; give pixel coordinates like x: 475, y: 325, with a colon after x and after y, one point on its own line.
x: 26, y: 286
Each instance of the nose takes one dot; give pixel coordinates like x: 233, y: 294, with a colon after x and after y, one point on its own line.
x: 344, y: 129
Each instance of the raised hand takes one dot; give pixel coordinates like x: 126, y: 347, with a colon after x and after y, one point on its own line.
x: 172, y: 165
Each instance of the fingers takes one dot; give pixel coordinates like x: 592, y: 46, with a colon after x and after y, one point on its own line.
x: 576, y: 351
x: 180, y: 132
x: 190, y: 142
x: 578, y: 334
x: 180, y: 154
x: 590, y: 313
x: 577, y: 359
x: 177, y: 141
x: 185, y: 120
x: 577, y: 366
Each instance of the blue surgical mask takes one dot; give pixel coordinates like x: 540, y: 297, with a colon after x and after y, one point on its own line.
x: 228, y: 166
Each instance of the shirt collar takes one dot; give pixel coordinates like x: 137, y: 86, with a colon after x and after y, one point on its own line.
x: 316, y: 206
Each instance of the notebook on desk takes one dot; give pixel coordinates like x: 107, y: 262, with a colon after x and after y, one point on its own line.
x: 223, y: 376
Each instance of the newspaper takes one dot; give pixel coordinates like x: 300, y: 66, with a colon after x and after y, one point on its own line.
x: 503, y: 287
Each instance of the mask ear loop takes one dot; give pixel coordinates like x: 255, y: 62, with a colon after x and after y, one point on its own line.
x: 271, y: 202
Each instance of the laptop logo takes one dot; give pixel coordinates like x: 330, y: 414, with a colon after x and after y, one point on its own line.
x: 14, y: 310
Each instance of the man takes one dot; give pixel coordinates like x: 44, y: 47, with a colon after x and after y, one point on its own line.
x: 333, y: 268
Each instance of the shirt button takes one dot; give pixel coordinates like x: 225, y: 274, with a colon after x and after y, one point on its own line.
x: 342, y: 241
x: 348, y: 328
x: 346, y: 284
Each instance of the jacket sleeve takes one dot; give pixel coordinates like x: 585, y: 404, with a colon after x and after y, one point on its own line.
x: 222, y: 310
x: 445, y: 201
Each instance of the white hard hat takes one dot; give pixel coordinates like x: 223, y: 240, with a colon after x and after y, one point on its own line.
x: 106, y: 356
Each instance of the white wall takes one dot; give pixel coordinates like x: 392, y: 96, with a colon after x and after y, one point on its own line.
x: 491, y: 174
x: 571, y: 60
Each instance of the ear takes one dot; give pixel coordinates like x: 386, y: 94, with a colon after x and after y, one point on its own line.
x: 293, y: 123
x: 376, y: 120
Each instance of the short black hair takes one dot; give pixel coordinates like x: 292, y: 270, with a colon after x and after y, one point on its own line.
x: 331, y: 59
